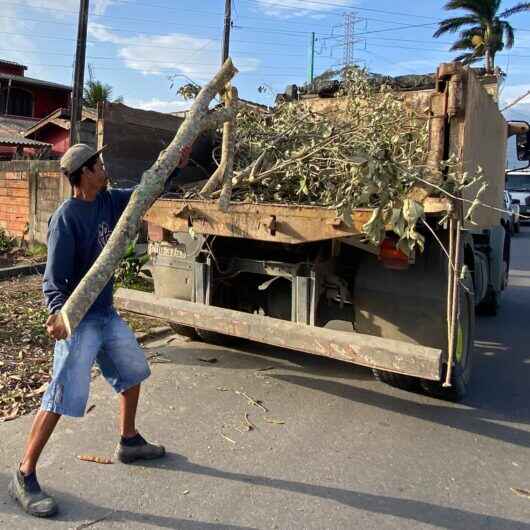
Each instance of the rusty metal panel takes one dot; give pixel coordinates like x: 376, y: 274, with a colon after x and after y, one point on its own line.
x: 478, y: 135
x: 279, y: 223
x: 365, y: 350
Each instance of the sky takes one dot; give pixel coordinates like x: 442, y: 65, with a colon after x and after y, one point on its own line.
x: 145, y: 49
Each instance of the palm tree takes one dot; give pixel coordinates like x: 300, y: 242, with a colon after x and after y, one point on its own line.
x: 484, y: 30
x: 97, y: 92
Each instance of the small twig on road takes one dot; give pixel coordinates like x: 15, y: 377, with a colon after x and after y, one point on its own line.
x: 272, y: 420
x: 521, y: 493
x: 95, y: 521
x: 95, y: 459
x: 226, y: 438
x: 252, y: 401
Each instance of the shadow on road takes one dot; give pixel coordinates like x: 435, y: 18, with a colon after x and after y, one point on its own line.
x: 410, y: 510
x: 489, y: 402
x: 77, y: 510
x: 465, y: 419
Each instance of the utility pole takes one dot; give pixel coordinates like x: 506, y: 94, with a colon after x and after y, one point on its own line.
x: 311, y: 65
x: 226, y: 34
x: 79, y: 73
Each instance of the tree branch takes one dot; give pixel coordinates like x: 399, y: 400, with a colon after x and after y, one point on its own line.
x: 229, y: 149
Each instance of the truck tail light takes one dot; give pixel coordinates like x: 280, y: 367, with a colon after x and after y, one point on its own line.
x: 391, y: 257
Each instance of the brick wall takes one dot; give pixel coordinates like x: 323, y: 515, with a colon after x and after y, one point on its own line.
x: 14, y: 198
x: 30, y: 191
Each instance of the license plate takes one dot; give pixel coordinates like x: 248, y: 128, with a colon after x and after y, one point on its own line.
x: 166, y: 251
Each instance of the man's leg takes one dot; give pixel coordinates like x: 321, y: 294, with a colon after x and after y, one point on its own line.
x: 24, y: 487
x: 128, y: 406
x: 123, y: 364
x: 41, y: 430
x: 132, y: 445
x: 66, y: 394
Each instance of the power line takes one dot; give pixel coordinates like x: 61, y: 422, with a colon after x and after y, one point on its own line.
x: 172, y: 23
x: 114, y: 68
x: 309, y: 3
x: 131, y: 19
x: 54, y: 37
x: 193, y: 51
x: 266, y: 43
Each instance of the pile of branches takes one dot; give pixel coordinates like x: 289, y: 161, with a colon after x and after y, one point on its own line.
x: 370, y: 154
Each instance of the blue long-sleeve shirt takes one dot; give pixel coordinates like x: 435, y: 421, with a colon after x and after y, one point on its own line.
x: 77, y: 233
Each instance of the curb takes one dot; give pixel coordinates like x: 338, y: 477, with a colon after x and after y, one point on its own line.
x: 22, y: 270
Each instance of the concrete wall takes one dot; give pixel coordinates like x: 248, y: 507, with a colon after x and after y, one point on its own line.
x: 30, y: 191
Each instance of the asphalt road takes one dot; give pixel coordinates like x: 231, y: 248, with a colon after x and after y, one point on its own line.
x: 350, y: 453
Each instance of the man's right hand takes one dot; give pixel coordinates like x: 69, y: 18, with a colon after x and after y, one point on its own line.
x: 56, y: 327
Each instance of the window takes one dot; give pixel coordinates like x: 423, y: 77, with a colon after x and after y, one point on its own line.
x: 20, y: 102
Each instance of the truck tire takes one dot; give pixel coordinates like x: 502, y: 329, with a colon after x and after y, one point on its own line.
x: 463, y: 361
x: 491, y: 303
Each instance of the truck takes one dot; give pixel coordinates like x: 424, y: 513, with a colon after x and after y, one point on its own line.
x: 301, y: 278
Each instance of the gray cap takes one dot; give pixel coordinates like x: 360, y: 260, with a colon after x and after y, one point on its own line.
x: 76, y: 156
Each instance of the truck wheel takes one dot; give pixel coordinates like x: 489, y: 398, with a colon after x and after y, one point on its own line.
x: 489, y: 307
x: 463, y: 360
x: 492, y: 301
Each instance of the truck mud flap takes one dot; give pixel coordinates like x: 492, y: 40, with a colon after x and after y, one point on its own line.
x: 355, y: 348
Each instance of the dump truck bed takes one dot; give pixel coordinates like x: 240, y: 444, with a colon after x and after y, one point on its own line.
x: 464, y: 121
x: 280, y: 223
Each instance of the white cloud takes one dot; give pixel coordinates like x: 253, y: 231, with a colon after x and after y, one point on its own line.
x: 101, y: 6
x: 64, y: 8
x: 175, y: 53
x: 300, y: 8
x: 159, y: 105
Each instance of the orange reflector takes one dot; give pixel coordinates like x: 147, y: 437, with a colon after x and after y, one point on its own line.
x: 391, y: 257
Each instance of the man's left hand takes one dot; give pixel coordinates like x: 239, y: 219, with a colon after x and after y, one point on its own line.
x: 56, y: 327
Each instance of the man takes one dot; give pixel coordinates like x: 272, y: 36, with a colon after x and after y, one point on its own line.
x: 77, y: 233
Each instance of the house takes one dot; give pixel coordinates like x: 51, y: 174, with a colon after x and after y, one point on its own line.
x: 23, y: 102
x: 54, y: 130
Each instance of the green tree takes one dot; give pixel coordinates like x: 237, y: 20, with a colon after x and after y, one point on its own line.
x: 96, y: 92
x: 484, y: 30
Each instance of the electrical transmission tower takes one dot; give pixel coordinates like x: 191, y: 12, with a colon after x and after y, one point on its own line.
x: 350, y: 19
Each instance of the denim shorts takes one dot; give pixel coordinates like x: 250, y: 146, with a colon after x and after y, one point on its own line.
x: 104, y: 338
